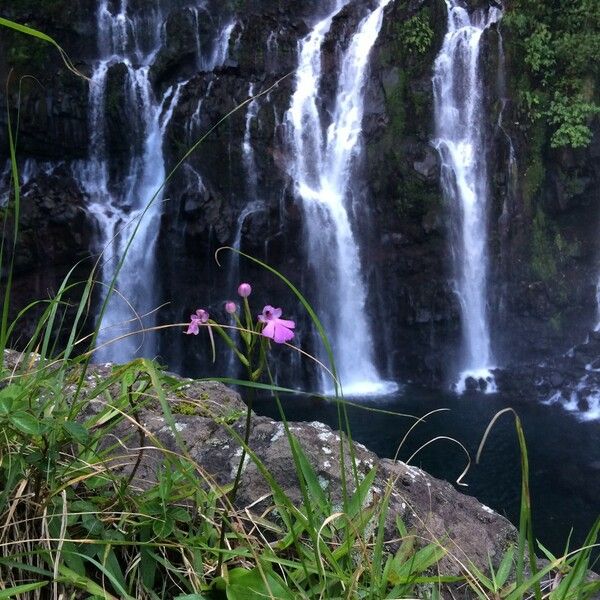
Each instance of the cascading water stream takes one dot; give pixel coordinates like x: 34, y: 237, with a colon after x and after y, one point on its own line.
x: 121, y: 204
x: 253, y: 203
x: 5, y: 184
x: 460, y: 121
x: 221, y: 49
x: 247, y: 148
x: 130, y: 202
x: 321, y: 169
x: 216, y: 59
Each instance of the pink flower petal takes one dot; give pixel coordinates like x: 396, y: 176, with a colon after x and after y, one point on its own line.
x: 202, y: 315
x: 267, y: 314
x: 282, y: 334
x: 286, y: 323
x: 193, y: 328
x: 269, y: 330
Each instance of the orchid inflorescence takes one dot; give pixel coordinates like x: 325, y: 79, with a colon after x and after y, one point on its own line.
x: 268, y: 324
x: 251, y: 351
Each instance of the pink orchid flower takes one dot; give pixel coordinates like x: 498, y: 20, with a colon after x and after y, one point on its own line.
x: 279, y: 330
x: 198, y: 318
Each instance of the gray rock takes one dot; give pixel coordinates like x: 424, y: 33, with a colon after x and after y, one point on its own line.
x: 428, y: 167
x: 432, y: 508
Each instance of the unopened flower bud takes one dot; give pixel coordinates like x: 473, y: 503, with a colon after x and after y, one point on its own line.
x: 230, y: 307
x: 244, y: 290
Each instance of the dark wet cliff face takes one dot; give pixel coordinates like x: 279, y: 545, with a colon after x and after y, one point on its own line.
x: 542, y: 222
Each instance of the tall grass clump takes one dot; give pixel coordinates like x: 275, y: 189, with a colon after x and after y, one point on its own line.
x: 80, y: 517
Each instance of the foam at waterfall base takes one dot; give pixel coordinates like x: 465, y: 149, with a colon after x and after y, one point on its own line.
x: 483, y: 374
x: 589, y: 410
x: 366, y: 389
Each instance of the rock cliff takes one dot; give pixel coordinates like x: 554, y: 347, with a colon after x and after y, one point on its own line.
x: 542, y: 224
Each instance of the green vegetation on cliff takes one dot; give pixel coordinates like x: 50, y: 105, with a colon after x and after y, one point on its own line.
x: 558, y: 43
x: 417, y: 33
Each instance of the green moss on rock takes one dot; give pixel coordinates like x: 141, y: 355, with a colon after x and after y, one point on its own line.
x: 543, y: 262
x: 535, y: 172
x: 550, y: 254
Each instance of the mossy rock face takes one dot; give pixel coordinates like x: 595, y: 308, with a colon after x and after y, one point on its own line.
x: 400, y: 155
x: 52, y: 101
x: 66, y: 21
x: 118, y: 111
x: 177, y: 58
x: 554, y: 54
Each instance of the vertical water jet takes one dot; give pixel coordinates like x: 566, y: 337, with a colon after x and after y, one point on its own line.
x: 460, y: 123
x: 322, y: 169
x: 119, y: 199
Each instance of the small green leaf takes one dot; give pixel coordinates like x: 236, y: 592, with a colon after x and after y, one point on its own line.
x: 21, y: 589
x: 34, y: 458
x: 505, y: 567
x: 163, y: 528
x: 254, y: 585
x: 129, y: 376
x: 361, y: 494
x: 25, y: 423
x: 92, y: 524
x: 73, y: 560
x: 405, y: 571
x: 77, y: 431
x: 148, y: 567
x: 6, y: 405
x: 317, y: 496
x: 84, y: 583
x: 401, y: 527
x: 180, y: 514
x: 12, y: 391
x: 109, y: 561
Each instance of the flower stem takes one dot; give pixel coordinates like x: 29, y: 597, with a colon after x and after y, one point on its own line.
x: 232, y: 494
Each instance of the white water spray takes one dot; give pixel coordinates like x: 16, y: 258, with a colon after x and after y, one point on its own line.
x: 122, y: 206
x: 460, y: 141
x: 322, y: 170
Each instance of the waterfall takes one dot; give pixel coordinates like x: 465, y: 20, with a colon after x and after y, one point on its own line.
x: 221, y: 49
x: 6, y: 184
x: 247, y: 148
x: 195, y: 11
x: 460, y: 121
x: 321, y: 168
x: 120, y: 203
x: 217, y: 58
x: 195, y: 120
x: 253, y: 203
